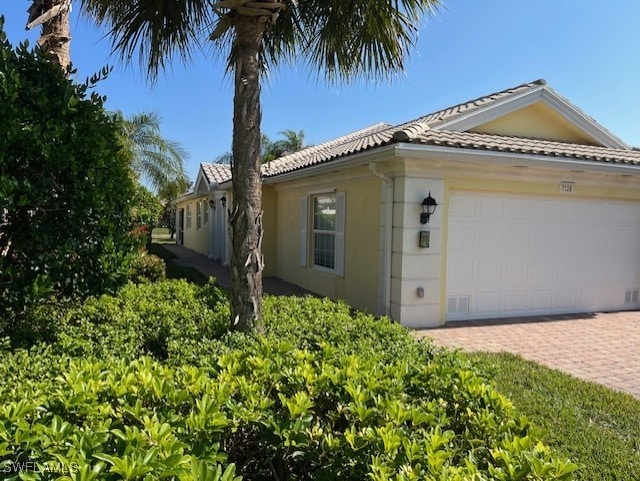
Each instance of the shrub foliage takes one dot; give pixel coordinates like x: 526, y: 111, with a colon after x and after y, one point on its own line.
x: 64, y: 184
x: 149, y: 385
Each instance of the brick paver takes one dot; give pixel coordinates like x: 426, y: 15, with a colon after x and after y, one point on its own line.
x: 602, y: 347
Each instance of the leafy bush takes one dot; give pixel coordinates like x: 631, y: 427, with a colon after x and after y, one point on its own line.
x: 64, y: 186
x: 325, y: 394
x: 147, y: 268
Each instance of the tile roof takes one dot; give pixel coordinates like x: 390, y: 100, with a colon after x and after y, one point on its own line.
x: 424, y: 130
x: 216, y: 173
x: 451, y: 113
x: 520, y: 145
x: 373, y: 136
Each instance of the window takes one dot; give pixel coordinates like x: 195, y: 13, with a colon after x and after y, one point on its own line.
x: 188, y: 216
x: 205, y: 207
x: 324, y: 240
x: 324, y: 231
x: 198, y: 215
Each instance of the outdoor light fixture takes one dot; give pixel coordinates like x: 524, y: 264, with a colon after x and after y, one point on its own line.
x: 224, y: 201
x: 429, y: 205
x: 212, y: 204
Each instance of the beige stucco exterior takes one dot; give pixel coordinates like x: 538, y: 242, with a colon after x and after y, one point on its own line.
x: 196, y: 238
x: 359, y: 285
x: 538, y: 121
x: 270, y: 226
x: 385, y: 269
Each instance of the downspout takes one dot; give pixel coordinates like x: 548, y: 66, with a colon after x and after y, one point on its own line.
x: 388, y: 238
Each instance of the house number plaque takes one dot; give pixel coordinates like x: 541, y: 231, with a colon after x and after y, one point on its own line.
x: 567, y: 187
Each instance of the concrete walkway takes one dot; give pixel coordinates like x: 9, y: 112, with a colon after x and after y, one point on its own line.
x: 602, y: 347
x: 187, y: 257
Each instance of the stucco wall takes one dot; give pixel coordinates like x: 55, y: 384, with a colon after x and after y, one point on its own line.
x: 269, y: 224
x: 359, y: 286
x: 538, y: 121
x: 194, y: 238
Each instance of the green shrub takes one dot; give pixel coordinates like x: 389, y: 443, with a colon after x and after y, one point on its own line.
x: 65, y: 186
x: 147, y: 268
x: 325, y: 394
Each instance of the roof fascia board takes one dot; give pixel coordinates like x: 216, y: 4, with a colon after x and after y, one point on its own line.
x: 581, y: 120
x: 493, y: 111
x: 507, y: 158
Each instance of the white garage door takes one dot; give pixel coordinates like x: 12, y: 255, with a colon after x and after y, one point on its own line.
x: 511, y: 255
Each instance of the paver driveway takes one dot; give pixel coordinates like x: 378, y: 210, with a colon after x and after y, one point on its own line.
x: 603, y: 348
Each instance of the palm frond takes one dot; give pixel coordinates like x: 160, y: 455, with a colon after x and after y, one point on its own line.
x: 153, y: 30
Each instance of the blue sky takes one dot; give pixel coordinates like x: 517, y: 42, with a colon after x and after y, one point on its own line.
x: 587, y: 50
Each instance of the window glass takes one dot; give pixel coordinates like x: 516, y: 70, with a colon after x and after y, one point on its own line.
x: 324, y: 231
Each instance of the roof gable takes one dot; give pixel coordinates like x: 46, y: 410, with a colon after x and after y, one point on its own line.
x: 567, y: 122
x: 537, y: 121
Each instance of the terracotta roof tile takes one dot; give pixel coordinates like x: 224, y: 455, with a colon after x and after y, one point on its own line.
x: 216, y: 173
x: 424, y: 130
x: 519, y: 145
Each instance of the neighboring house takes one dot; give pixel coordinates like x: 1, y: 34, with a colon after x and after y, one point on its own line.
x: 538, y: 213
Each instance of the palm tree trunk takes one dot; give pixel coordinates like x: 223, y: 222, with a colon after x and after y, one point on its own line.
x: 56, y: 33
x: 246, y: 215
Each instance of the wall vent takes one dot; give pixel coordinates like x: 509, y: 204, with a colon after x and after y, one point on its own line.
x: 458, y: 305
x: 631, y: 296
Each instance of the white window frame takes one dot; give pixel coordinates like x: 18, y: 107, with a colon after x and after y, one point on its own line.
x: 189, y: 216
x: 205, y: 213
x: 307, y: 233
x: 198, y: 215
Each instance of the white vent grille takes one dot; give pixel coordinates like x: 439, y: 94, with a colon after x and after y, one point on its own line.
x: 457, y: 305
x: 631, y: 296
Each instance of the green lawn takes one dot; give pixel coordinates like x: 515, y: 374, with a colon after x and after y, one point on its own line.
x: 161, y: 235
x: 589, y: 423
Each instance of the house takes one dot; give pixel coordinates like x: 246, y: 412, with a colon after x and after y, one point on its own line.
x: 535, y: 210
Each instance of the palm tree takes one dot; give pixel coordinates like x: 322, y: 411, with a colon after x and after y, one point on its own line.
x: 340, y: 38
x: 53, y: 18
x: 156, y: 160
x: 293, y: 141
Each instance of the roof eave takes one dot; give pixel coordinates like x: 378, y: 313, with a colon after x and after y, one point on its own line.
x: 443, y: 153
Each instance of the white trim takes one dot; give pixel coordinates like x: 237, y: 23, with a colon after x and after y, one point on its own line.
x: 304, y: 214
x: 548, y: 97
x: 338, y: 263
x: 387, y: 238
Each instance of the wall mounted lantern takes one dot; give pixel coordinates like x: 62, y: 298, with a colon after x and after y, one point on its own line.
x: 224, y: 202
x: 429, y: 205
x: 212, y: 204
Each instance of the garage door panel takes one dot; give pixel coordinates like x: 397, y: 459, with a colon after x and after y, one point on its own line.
x: 514, y: 301
x: 490, y: 207
x: 517, y: 208
x: 463, y: 205
x: 488, y: 270
x: 461, y: 269
x: 565, y: 300
x: 487, y: 303
x: 540, y: 300
x: 516, y: 238
x: 461, y: 238
x: 516, y: 270
x: 525, y: 255
x: 488, y: 237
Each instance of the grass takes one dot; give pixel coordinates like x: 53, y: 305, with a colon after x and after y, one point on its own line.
x: 591, y: 424
x: 162, y: 235
x: 175, y: 271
